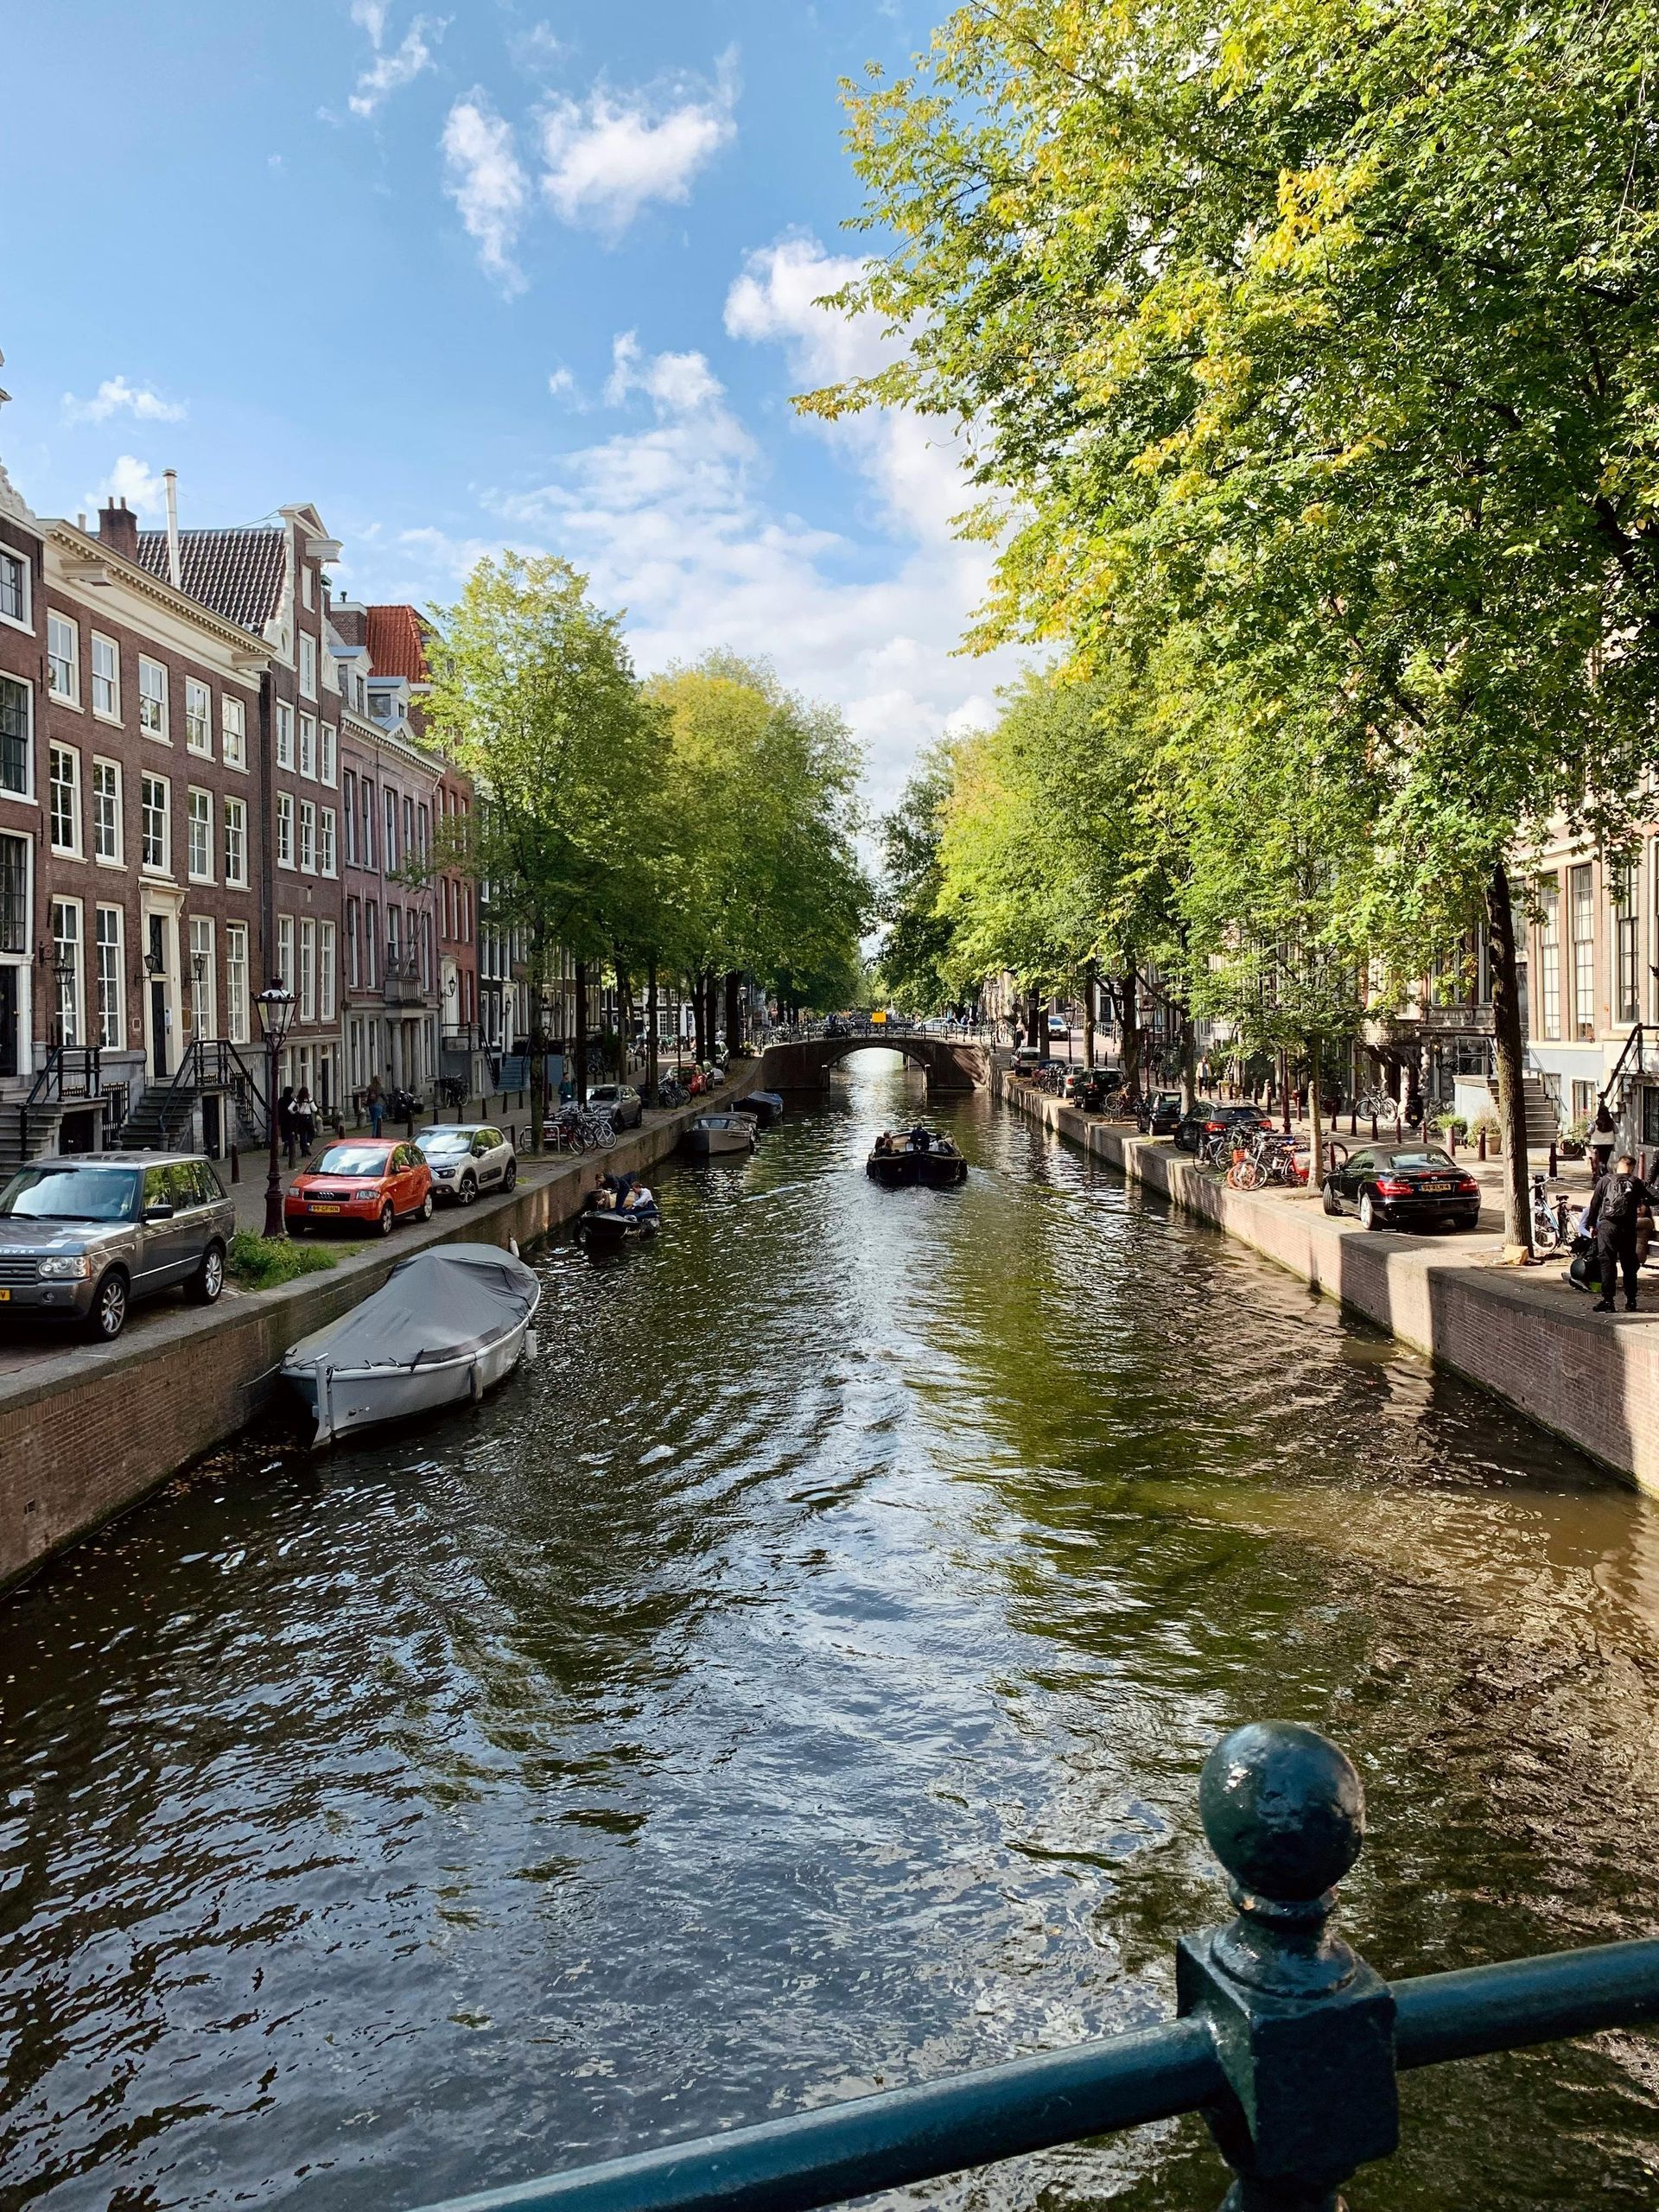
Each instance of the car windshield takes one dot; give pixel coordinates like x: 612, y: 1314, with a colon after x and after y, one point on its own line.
x: 352, y: 1160
x: 71, y: 1193
x: 1425, y: 1155
x: 447, y: 1140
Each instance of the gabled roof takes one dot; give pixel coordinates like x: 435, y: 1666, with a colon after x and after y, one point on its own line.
x: 238, y: 573
x: 398, y: 643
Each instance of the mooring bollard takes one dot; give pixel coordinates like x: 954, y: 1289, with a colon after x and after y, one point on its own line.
x: 1373, y: 1128
x: 1553, y: 1170
x: 1353, y: 1121
x: 1483, y: 1144
x: 236, y: 1166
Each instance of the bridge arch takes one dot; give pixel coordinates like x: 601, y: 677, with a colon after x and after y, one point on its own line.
x: 805, y: 1063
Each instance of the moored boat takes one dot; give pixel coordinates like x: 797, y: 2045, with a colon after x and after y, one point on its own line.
x: 604, y: 1227
x: 717, y: 1135
x: 446, y: 1325
x: 766, y: 1107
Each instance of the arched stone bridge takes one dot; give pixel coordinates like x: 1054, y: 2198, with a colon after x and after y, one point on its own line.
x: 804, y: 1062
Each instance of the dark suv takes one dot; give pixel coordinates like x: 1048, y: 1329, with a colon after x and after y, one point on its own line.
x: 1158, y: 1113
x: 83, y: 1234
x: 1208, y: 1116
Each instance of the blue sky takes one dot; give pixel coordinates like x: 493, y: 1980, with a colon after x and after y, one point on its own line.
x: 504, y: 274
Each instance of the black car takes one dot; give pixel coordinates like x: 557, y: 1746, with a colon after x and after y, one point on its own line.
x: 1088, y: 1087
x: 1209, y: 1115
x: 1158, y: 1113
x: 1403, y: 1186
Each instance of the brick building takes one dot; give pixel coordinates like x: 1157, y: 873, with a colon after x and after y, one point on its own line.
x: 22, y: 668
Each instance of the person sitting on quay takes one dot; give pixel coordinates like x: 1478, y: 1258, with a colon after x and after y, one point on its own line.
x: 1612, y: 1218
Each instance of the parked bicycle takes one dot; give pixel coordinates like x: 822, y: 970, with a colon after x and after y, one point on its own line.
x: 1552, y: 1223
x: 1270, y: 1158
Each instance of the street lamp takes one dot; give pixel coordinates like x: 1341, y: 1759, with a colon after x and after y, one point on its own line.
x: 63, y: 967
x: 275, y: 1006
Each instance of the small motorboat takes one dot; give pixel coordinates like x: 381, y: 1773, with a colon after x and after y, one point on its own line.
x: 604, y: 1227
x: 446, y: 1325
x: 766, y: 1106
x: 919, y: 1156
x: 717, y: 1135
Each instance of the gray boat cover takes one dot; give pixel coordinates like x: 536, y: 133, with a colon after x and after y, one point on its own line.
x: 439, y: 1303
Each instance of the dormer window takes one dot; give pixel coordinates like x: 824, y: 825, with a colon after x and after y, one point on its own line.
x: 307, y: 587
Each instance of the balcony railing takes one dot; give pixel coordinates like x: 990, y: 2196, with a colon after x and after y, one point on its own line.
x: 1289, y: 2044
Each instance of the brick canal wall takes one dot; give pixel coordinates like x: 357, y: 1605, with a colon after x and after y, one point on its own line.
x: 96, y: 1427
x: 1518, y: 1332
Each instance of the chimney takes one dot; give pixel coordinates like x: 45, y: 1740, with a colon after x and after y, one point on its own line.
x: 118, y: 527
x: 170, y: 478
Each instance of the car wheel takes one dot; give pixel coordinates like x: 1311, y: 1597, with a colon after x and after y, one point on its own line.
x: 426, y: 1207
x: 388, y: 1219
x: 512, y: 1175
x: 1332, y: 1202
x: 108, y: 1316
x: 204, y: 1287
x: 1369, y: 1217
x: 468, y: 1191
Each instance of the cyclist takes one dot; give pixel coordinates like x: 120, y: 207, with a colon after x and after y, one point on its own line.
x: 1611, y: 1218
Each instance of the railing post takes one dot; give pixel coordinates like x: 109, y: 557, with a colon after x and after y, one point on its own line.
x: 1304, y: 2029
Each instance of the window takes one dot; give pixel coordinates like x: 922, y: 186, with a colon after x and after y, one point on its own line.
x: 156, y: 809
x: 368, y: 823
x: 65, y: 799
x: 204, y: 984
x: 285, y: 735
x: 308, y: 838
x: 284, y: 829
x: 424, y: 818
x: 111, y: 988
x: 66, y: 949
x: 394, y: 940
x: 14, y: 894
x: 308, y: 971
x: 308, y: 746
x: 16, y: 731
x: 152, y: 699
x: 285, y: 950
x: 1549, y: 956
x: 233, y: 732
x: 408, y: 845
x: 107, y: 812
x: 389, y: 854
x: 198, y: 716
x: 307, y: 584
x: 325, y: 749
x: 325, y: 862
x: 308, y: 663
x: 371, y: 943
x: 63, y: 660
x: 348, y: 808
x: 236, y: 842
x: 106, y: 679
x: 326, y: 971
x: 353, y: 961
x: 14, y: 590
x: 1584, y: 951
x: 236, y: 981
x: 200, y: 806
x: 1627, y: 1005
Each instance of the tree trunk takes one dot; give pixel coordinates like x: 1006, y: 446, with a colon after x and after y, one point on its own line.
x: 1511, y: 1058
x: 1188, y: 1035
x: 698, y: 1037
x: 650, y: 1032
x: 711, y: 1006
x: 733, y: 1011
x: 537, y: 1050
x: 1036, y: 1030
x: 1088, y: 1014
x: 624, y: 1020
x: 578, y: 1043
x: 1131, y: 1034
x: 1316, y: 1156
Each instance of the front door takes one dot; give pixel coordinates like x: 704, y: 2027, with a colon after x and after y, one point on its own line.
x: 10, y: 1061
x: 160, y: 1063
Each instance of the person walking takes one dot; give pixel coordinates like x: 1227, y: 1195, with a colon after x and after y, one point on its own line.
x: 305, y: 1120
x: 1611, y: 1218
x: 1603, y: 1131
x: 285, y: 1123
x: 377, y: 1105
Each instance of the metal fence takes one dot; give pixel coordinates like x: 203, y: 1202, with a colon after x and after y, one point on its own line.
x: 1289, y: 2043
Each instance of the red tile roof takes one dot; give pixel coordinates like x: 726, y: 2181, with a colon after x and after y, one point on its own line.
x: 238, y: 573
x: 398, y: 643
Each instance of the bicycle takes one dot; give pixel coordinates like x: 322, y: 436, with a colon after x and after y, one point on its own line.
x: 1550, y: 1226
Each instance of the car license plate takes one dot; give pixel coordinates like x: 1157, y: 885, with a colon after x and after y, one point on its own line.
x: 5, y: 1298
x: 319, y: 1205
x: 1435, y: 1186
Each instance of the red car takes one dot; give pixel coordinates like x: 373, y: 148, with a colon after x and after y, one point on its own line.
x: 367, y: 1181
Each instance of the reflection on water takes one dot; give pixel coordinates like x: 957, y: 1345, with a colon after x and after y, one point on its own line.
x: 795, y: 1684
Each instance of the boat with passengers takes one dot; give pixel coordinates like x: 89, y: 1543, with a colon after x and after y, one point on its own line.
x: 916, y: 1155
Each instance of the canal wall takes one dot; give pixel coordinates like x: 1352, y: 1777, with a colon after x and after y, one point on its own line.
x: 1520, y: 1334
x: 90, y: 1431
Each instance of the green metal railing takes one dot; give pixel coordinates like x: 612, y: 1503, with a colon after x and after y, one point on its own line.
x: 1287, y: 2043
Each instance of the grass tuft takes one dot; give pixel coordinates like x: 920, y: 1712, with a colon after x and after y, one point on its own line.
x: 262, y: 1262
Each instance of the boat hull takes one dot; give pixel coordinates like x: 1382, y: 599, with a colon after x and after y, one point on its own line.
x: 343, y: 1400
x: 603, y: 1231
x: 711, y: 1144
x: 897, y: 1171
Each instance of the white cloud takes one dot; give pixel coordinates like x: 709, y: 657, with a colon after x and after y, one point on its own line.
x: 563, y: 384
x: 484, y: 178
x: 676, y: 384
x: 132, y: 481
x: 389, y: 72
x: 607, y: 158
x: 537, y: 49
x: 115, y: 395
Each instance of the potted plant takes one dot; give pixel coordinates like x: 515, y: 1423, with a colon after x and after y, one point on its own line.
x: 1574, y: 1139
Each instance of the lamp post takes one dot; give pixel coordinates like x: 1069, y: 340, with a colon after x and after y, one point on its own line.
x: 275, y: 1006
x: 63, y: 967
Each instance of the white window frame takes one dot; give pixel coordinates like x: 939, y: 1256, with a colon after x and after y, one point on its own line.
x: 235, y: 827
x: 116, y: 856
x: 26, y: 796
x: 285, y: 735
x: 353, y: 952
x: 197, y: 695
x: 325, y: 971
x: 371, y: 944
x: 238, y: 1006
x: 368, y: 823
x: 112, y: 680
x: 25, y: 950
x: 154, y: 707
x: 112, y: 1011
x: 328, y: 843
x: 306, y: 650
x: 76, y: 979
x: 71, y: 662
x: 199, y: 833
x: 285, y: 950
x: 202, y: 941
x: 285, y: 829
x: 69, y: 848
x: 308, y: 764
x: 233, y: 726
x: 327, y: 753
x: 307, y: 990
x: 307, y: 839
x: 148, y: 867
x: 25, y: 621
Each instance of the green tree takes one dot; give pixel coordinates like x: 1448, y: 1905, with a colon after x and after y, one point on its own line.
x: 917, y: 940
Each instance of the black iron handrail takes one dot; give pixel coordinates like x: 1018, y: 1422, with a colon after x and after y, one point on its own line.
x: 1633, y: 1041
x: 62, y: 1067
x: 1287, y: 2043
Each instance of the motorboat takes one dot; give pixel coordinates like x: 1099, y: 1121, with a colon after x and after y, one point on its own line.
x: 918, y: 1156
x: 604, y: 1226
x: 766, y: 1106
x: 446, y: 1325
x: 713, y: 1136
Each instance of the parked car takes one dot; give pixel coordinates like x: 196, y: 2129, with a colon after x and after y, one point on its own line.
x: 467, y: 1159
x: 83, y: 1234
x: 365, y: 1181
x: 1158, y: 1113
x: 620, y: 1101
x: 1027, y: 1057
x: 1209, y: 1115
x: 1088, y: 1087
x: 1058, y: 1026
x: 1403, y: 1186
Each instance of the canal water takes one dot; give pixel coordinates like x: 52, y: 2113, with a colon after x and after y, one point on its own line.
x: 795, y: 1685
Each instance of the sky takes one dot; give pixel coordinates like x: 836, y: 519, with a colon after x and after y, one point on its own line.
x: 513, y: 274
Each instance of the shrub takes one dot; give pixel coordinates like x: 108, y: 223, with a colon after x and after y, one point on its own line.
x: 1488, y: 1125
x: 262, y: 1262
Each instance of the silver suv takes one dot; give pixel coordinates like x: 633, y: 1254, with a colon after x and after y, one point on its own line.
x: 83, y: 1234
x: 467, y: 1159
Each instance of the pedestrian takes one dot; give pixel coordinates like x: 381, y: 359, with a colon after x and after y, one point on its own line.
x: 377, y: 1105
x: 285, y: 1126
x: 1612, y: 1218
x: 1601, y: 1141
x: 305, y: 1120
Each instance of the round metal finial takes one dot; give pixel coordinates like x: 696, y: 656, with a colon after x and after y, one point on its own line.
x: 1284, y: 1811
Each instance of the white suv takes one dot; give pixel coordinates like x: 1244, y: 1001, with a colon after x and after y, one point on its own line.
x: 467, y: 1159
